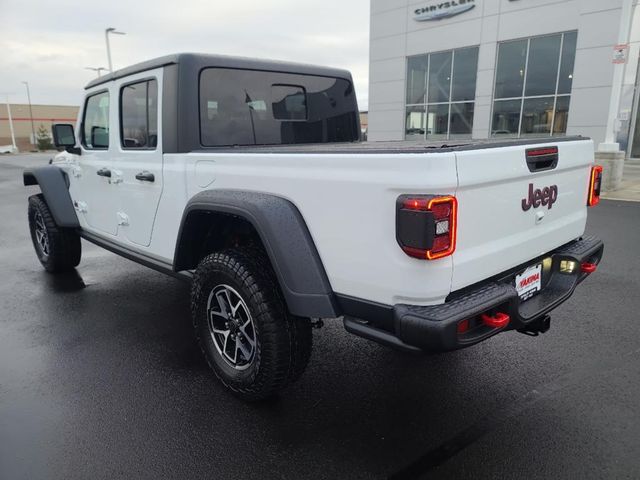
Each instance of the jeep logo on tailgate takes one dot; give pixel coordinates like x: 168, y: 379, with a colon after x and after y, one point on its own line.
x: 546, y: 196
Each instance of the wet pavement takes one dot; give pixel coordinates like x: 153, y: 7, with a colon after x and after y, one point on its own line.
x: 101, y: 378
x: 630, y: 187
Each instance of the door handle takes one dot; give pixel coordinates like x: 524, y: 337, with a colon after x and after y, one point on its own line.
x: 146, y: 176
x: 541, y: 159
x: 104, y: 172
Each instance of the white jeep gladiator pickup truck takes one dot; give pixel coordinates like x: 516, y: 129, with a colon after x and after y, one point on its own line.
x: 248, y: 178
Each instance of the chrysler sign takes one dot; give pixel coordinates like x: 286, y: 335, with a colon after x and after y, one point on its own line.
x: 440, y: 10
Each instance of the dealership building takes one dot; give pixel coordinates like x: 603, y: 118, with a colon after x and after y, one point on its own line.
x: 453, y: 70
x: 20, y: 122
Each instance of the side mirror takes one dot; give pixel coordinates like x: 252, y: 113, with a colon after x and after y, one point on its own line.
x: 64, y: 136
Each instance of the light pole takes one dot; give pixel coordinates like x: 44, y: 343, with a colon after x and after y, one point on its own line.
x: 610, y: 144
x: 33, y: 130
x: 13, y: 136
x: 106, y: 36
x: 97, y: 69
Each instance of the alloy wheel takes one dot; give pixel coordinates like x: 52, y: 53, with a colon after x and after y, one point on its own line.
x: 42, y: 237
x: 231, y: 327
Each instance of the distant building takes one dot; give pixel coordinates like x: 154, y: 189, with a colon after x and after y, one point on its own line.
x: 504, y: 68
x: 364, y: 124
x: 43, y: 115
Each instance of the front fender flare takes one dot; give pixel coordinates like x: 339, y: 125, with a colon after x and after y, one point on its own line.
x: 286, y: 239
x: 54, y: 185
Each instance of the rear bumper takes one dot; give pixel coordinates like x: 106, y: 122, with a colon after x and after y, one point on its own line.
x: 435, y: 328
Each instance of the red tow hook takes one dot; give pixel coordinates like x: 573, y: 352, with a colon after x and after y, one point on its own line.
x: 499, y: 320
x: 588, y: 267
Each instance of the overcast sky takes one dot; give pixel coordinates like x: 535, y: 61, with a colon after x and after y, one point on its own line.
x: 50, y: 42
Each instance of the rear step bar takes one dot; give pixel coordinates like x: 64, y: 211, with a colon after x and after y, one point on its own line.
x: 364, y: 330
x: 486, y: 310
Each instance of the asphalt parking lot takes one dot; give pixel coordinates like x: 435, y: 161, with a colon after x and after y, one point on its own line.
x: 101, y: 378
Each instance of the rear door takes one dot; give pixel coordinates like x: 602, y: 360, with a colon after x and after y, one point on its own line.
x: 517, y: 203
x: 138, y: 161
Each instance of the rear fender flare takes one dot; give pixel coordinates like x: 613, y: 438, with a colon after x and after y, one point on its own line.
x: 286, y: 239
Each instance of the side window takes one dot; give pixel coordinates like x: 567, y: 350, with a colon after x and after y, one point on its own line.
x: 95, y: 122
x: 139, y: 115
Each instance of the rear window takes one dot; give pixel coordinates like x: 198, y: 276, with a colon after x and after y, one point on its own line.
x: 249, y: 107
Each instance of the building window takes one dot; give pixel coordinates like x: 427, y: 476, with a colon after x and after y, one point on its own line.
x: 533, y: 86
x: 441, y: 90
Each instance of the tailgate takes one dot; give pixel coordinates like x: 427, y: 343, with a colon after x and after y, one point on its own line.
x: 498, y: 228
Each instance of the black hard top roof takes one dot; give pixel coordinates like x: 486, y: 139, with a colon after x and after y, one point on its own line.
x: 201, y: 60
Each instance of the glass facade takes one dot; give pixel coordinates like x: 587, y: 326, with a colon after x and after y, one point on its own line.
x: 533, y: 86
x: 440, y: 95
x: 531, y: 91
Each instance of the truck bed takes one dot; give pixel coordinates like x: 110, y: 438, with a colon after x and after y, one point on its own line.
x: 348, y: 193
x: 392, y: 147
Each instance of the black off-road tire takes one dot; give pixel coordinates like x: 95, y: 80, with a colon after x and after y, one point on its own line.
x: 301, y: 347
x: 283, y: 342
x: 62, y: 250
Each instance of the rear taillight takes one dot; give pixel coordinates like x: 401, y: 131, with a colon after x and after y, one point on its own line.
x: 595, y: 184
x: 426, y: 226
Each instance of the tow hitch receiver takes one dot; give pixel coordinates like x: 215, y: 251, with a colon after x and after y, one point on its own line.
x: 499, y: 320
x: 536, y: 328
